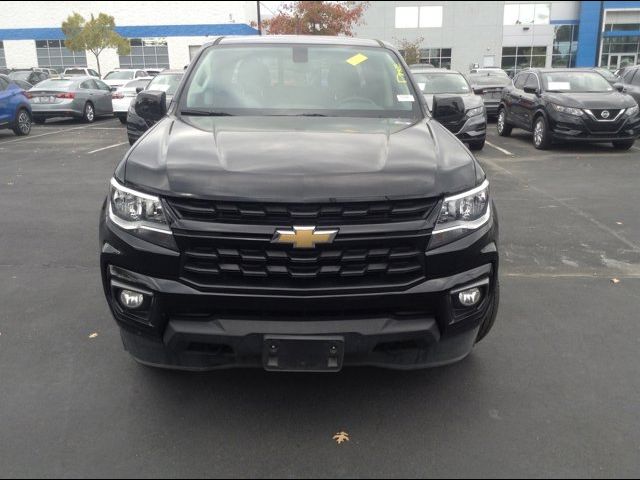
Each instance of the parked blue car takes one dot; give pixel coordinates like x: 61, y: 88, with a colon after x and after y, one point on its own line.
x: 15, y: 109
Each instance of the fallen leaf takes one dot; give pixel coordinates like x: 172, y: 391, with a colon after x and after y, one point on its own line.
x: 615, y: 280
x: 341, y: 437
x: 93, y: 335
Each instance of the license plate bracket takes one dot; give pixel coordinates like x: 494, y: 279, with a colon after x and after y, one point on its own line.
x: 303, y: 353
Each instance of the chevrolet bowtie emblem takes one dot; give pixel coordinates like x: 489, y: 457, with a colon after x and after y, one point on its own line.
x: 304, y: 237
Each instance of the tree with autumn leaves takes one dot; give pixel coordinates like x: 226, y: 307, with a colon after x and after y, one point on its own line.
x: 316, y: 18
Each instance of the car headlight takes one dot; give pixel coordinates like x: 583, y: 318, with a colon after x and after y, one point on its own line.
x: 568, y: 110
x: 633, y: 111
x: 473, y: 112
x: 461, y: 214
x: 132, y: 210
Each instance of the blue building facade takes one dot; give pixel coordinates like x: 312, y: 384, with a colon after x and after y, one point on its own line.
x: 609, y: 34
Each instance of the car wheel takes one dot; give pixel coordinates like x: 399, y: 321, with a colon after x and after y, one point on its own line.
x: 23, y: 123
x: 123, y: 120
x: 623, y: 144
x: 479, y: 145
x: 504, y: 129
x: 89, y: 114
x: 131, y: 140
x: 492, y: 313
x: 39, y: 120
x: 541, y: 138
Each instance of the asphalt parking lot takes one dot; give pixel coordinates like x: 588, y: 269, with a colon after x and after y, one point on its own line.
x: 553, y: 391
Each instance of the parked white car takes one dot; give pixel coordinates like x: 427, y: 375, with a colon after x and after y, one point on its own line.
x: 80, y: 72
x: 124, y: 95
x: 118, y: 77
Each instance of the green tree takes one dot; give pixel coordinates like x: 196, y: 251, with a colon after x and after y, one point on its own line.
x: 94, y: 35
x: 410, y: 49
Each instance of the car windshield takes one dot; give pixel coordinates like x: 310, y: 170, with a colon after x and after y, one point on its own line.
x: 314, y: 80
x: 55, y: 84
x: 489, y: 79
x: 165, y: 82
x: 575, y: 82
x: 119, y: 75
x: 434, y: 83
x: 19, y: 75
x: 74, y: 71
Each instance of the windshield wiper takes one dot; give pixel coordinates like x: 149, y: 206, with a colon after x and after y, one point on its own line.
x: 205, y: 113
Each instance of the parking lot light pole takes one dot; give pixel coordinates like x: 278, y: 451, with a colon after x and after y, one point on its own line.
x: 259, y: 18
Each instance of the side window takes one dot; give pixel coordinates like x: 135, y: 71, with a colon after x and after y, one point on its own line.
x: 520, y: 81
x: 636, y: 79
x: 3, y: 84
x: 93, y: 73
x: 140, y: 74
x: 628, y: 76
x: 103, y: 86
x: 532, y: 81
x: 86, y: 85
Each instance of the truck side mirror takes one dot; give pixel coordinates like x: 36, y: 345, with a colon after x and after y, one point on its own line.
x: 151, y: 105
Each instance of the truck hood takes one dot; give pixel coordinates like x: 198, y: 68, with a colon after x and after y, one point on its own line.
x: 597, y: 100
x: 298, y: 159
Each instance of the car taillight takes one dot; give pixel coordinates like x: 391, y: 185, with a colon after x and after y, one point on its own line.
x: 27, y: 94
x: 117, y: 95
x: 67, y: 95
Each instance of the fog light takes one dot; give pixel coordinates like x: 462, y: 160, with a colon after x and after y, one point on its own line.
x: 470, y: 297
x: 130, y: 299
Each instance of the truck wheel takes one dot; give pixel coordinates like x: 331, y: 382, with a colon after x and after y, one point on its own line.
x: 23, y: 123
x: 623, y: 144
x: 492, y: 312
x: 504, y: 129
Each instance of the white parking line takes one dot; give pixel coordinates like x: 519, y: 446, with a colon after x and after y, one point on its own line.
x: 23, y: 139
x: 107, y: 148
x: 500, y: 149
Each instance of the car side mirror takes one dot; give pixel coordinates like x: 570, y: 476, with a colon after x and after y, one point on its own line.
x: 151, y: 106
x: 447, y: 107
x: 532, y: 90
x: 139, y: 89
x: 478, y: 90
x: 619, y: 86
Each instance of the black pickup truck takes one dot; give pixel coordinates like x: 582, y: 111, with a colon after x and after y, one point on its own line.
x: 298, y: 209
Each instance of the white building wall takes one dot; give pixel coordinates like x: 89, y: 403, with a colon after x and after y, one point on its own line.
x: 22, y: 53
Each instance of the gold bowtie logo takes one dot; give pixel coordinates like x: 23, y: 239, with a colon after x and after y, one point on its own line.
x: 304, y: 237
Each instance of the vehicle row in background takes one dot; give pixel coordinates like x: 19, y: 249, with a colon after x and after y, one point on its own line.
x: 569, y: 105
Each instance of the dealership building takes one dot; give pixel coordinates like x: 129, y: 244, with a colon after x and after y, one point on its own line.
x: 452, y: 34
x: 511, y: 35
x: 162, y: 34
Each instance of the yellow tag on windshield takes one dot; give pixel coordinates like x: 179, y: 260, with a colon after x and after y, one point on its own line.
x: 357, y: 59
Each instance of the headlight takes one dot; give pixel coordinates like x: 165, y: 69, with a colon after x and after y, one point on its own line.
x: 472, y: 112
x: 133, y: 210
x: 461, y: 214
x: 568, y: 110
x: 632, y: 111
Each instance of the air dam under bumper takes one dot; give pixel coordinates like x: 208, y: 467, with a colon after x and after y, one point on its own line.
x: 181, y: 327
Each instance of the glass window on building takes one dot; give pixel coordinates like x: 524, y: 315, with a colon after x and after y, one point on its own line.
x: 53, y: 54
x: 438, y: 57
x: 619, y: 52
x: 3, y: 60
x: 527, y: 13
x: 515, y: 59
x: 146, y: 53
x: 565, y: 46
x: 423, y: 17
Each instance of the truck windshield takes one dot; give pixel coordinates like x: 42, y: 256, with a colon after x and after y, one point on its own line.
x: 314, y: 80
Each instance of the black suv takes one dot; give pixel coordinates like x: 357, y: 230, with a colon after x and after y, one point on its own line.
x: 568, y: 105
x: 296, y: 208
